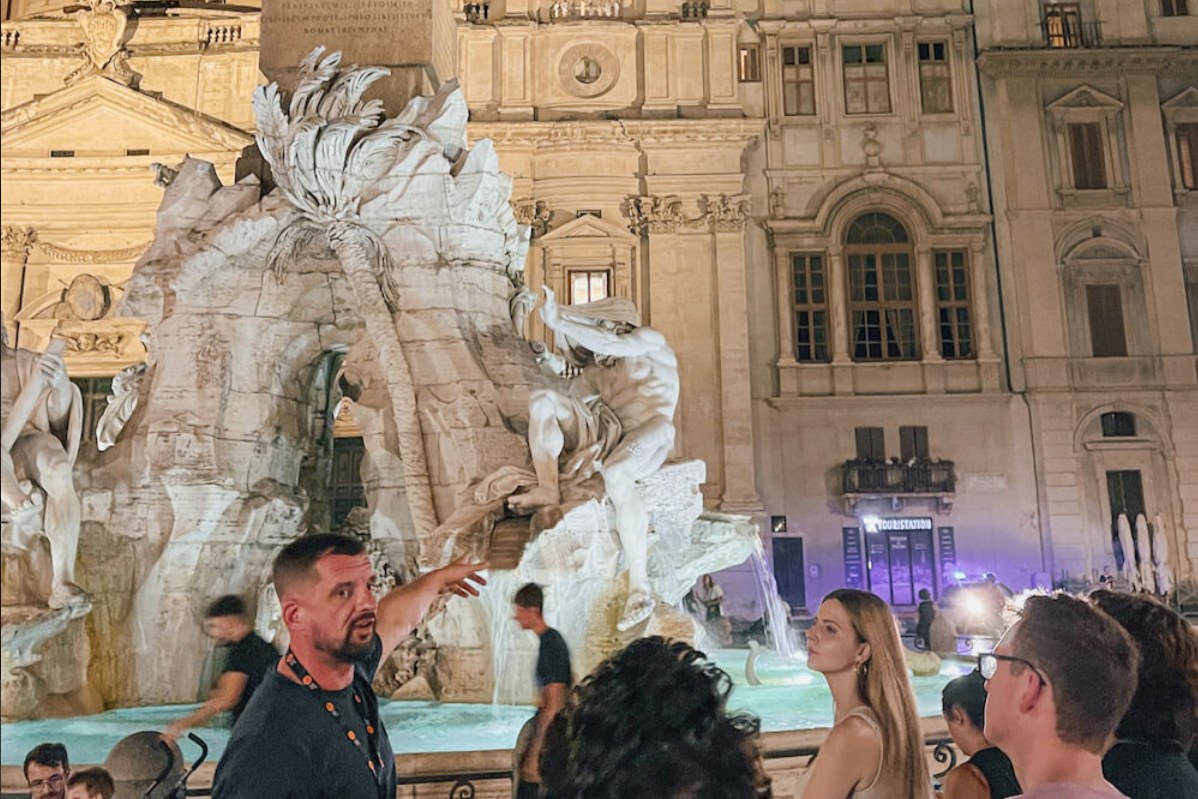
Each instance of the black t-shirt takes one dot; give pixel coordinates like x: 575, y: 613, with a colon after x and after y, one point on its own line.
x: 1151, y: 770
x: 252, y: 657
x: 553, y: 660
x: 288, y: 746
x: 999, y: 773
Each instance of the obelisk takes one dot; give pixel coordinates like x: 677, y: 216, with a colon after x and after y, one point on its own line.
x: 415, y: 39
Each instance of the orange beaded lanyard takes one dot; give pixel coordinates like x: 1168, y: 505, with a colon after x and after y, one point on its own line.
x: 373, y: 759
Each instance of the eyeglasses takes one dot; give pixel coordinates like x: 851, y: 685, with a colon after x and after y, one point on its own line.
x: 988, y: 665
x: 53, y: 782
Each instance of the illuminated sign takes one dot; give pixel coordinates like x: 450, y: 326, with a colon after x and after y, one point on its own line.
x: 874, y: 524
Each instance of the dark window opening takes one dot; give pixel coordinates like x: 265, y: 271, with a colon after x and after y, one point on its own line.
x: 1105, y: 306
x: 62, y: 153
x: 1117, y: 424
x: 1085, y: 148
x: 95, y: 391
x: 871, y: 444
x: 810, y: 309
x: 913, y: 444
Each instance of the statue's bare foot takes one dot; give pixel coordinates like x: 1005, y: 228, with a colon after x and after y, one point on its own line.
x: 533, y: 498
x: 64, y: 595
x: 25, y: 505
x: 639, y: 607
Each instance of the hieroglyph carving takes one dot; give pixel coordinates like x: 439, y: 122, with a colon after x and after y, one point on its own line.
x: 103, y: 23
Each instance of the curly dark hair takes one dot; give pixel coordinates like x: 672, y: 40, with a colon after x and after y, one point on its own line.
x: 652, y: 723
x: 1165, y: 705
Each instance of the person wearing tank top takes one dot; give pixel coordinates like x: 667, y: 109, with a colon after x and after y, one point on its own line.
x: 988, y: 774
x: 875, y: 747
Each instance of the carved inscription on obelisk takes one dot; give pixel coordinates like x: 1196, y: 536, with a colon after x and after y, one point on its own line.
x: 398, y: 34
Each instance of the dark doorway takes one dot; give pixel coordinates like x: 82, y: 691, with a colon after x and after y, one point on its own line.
x: 346, y: 491
x: 1126, y: 490
x: 789, y: 571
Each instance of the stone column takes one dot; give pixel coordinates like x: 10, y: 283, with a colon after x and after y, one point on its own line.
x: 981, y: 302
x: 925, y: 280
x: 726, y: 217
x: 15, y: 246
x: 836, y: 280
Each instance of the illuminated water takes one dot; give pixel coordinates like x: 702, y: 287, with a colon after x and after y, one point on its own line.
x: 791, y: 697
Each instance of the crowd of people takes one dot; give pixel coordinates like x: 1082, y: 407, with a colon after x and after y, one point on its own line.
x: 1092, y: 698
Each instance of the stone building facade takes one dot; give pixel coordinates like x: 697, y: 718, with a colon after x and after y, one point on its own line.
x: 880, y: 362
x: 1091, y: 112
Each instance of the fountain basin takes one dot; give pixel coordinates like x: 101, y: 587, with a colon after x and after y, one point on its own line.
x: 790, y: 698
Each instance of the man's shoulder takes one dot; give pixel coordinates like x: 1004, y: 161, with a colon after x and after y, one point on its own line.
x: 1071, y: 790
x: 553, y: 639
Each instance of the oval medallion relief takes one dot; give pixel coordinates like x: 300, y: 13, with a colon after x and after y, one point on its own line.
x: 588, y: 70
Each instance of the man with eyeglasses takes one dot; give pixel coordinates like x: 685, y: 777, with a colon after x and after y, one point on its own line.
x: 1058, y: 684
x: 46, y: 771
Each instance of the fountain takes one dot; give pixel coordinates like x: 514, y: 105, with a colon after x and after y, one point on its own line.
x: 376, y: 257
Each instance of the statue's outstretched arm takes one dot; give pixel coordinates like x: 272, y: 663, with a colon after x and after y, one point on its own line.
x: 642, y: 341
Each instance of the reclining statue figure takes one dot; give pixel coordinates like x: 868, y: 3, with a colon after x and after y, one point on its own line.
x: 616, y: 418
x: 41, y: 415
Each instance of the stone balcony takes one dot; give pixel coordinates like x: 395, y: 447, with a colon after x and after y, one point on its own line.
x: 921, y: 478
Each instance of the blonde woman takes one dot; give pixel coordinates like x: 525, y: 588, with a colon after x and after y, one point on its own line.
x: 875, y: 748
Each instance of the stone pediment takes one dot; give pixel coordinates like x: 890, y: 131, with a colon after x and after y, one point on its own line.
x: 1186, y: 98
x: 1085, y: 98
x: 99, y: 117
x: 589, y: 227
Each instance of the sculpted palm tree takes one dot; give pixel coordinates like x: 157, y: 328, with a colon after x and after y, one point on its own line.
x: 325, y: 153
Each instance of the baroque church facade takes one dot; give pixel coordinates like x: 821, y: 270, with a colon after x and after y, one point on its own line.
x: 930, y: 266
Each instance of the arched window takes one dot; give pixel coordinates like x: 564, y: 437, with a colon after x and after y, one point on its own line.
x: 882, y: 311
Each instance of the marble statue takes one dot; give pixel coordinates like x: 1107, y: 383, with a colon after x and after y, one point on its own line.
x: 617, y: 416
x: 122, y: 402
x: 42, y: 424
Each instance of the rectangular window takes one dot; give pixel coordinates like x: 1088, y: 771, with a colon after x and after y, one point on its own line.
x: 798, y: 81
x: 62, y: 153
x: 1192, y: 301
x: 1085, y: 148
x: 137, y: 151
x: 749, y: 63
x: 913, y: 443
x: 1063, y: 25
x: 589, y: 285
x: 810, y: 308
x: 1187, y: 154
x: 95, y: 391
x: 871, y: 444
x: 935, y: 80
x: 1105, y: 306
x: 1174, y: 8
x: 866, y: 80
x: 882, y: 306
x: 952, y: 305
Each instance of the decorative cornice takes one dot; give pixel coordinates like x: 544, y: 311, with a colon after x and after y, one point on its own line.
x: 1096, y: 61
x: 73, y: 256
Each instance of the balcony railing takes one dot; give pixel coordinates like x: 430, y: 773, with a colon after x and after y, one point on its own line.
x: 1068, y: 32
x: 922, y: 476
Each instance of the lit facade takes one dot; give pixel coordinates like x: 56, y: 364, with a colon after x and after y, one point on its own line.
x: 898, y: 382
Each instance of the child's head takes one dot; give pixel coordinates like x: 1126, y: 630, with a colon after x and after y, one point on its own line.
x: 90, y: 783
